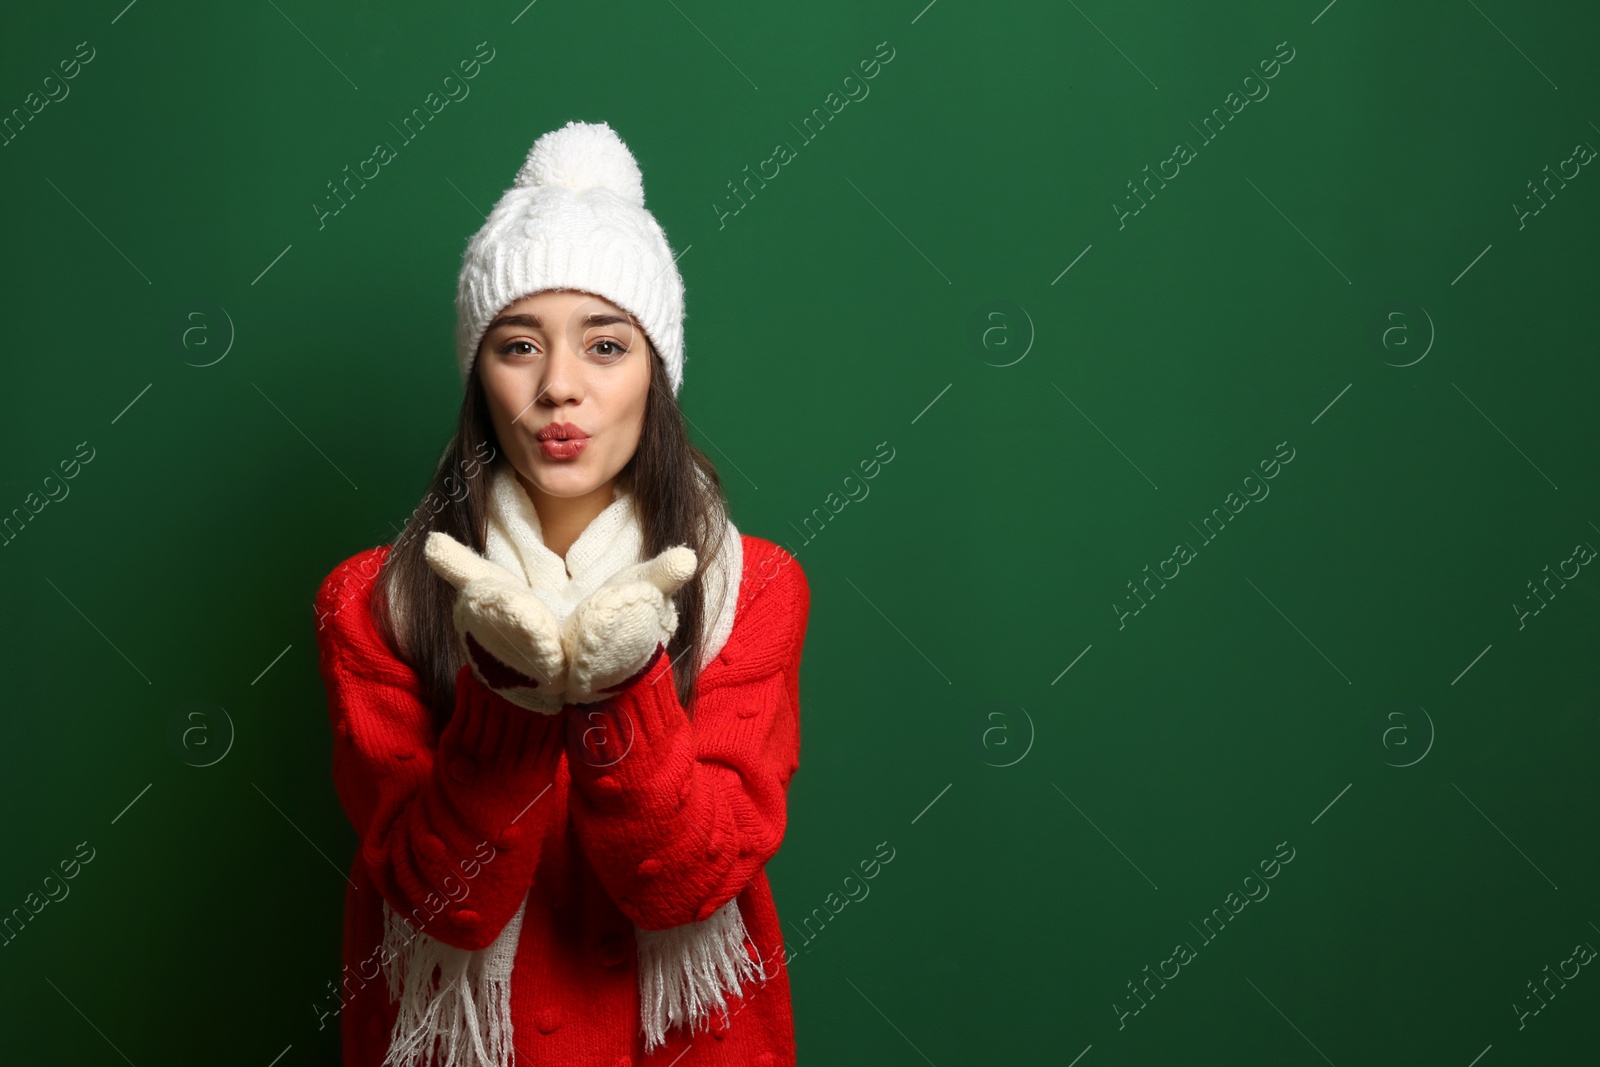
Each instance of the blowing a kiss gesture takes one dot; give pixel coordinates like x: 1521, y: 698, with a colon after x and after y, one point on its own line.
x: 517, y: 647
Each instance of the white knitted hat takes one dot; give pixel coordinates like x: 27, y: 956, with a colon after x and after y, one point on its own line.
x: 574, y: 219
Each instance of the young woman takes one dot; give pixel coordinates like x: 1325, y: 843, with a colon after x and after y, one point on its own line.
x: 565, y: 701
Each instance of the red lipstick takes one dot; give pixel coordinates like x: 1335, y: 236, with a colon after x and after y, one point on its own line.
x: 562, y: 440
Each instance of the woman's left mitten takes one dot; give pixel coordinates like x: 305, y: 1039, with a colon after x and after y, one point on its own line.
x: 615, y: 633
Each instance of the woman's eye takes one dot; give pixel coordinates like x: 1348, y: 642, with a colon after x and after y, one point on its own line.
x: 616, y: 351
x: 515, y: 348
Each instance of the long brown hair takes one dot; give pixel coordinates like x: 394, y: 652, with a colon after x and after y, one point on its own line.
x: 676, y: 491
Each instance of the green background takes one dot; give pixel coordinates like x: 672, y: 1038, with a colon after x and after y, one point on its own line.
x: 903, y: 280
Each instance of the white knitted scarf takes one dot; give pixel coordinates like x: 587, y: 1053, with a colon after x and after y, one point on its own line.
x: 463, y: 1016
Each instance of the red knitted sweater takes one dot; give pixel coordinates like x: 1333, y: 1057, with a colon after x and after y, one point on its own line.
x: 620, y: 813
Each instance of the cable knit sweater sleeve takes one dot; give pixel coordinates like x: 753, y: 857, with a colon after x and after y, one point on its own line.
x: 678, y: 815
x: 450, y: 827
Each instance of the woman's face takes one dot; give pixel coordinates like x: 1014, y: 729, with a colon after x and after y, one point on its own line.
x: 567, y: 364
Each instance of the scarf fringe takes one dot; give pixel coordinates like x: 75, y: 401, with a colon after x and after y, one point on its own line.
x: 463, y: 1012
x: 683, y: 972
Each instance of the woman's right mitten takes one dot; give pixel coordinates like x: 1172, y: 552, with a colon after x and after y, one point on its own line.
x: 512, y: 638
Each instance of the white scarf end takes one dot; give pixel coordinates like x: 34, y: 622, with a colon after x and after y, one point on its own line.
x: 685, y: 971
x: 455, y: 1004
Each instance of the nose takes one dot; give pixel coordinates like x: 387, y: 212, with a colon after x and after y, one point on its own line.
x: 563, y: 377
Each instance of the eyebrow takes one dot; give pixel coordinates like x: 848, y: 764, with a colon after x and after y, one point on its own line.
x: 598, y: 318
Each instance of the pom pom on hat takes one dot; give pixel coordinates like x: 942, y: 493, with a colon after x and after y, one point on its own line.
x: 584, y: 155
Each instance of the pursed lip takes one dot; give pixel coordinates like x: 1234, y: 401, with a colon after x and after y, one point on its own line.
x: 560, y: 431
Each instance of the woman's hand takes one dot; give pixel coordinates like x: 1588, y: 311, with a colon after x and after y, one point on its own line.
x: 512, y: 638
x: 619, y: 628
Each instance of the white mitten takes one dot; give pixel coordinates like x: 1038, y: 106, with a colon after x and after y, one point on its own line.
x: 512, y: 638
x: 618, y: 629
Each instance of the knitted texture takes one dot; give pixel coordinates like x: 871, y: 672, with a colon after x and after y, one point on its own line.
x: 466, y: 1010
x: 574, y: 218
x: 516, y: 542
x: 621, y: 815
